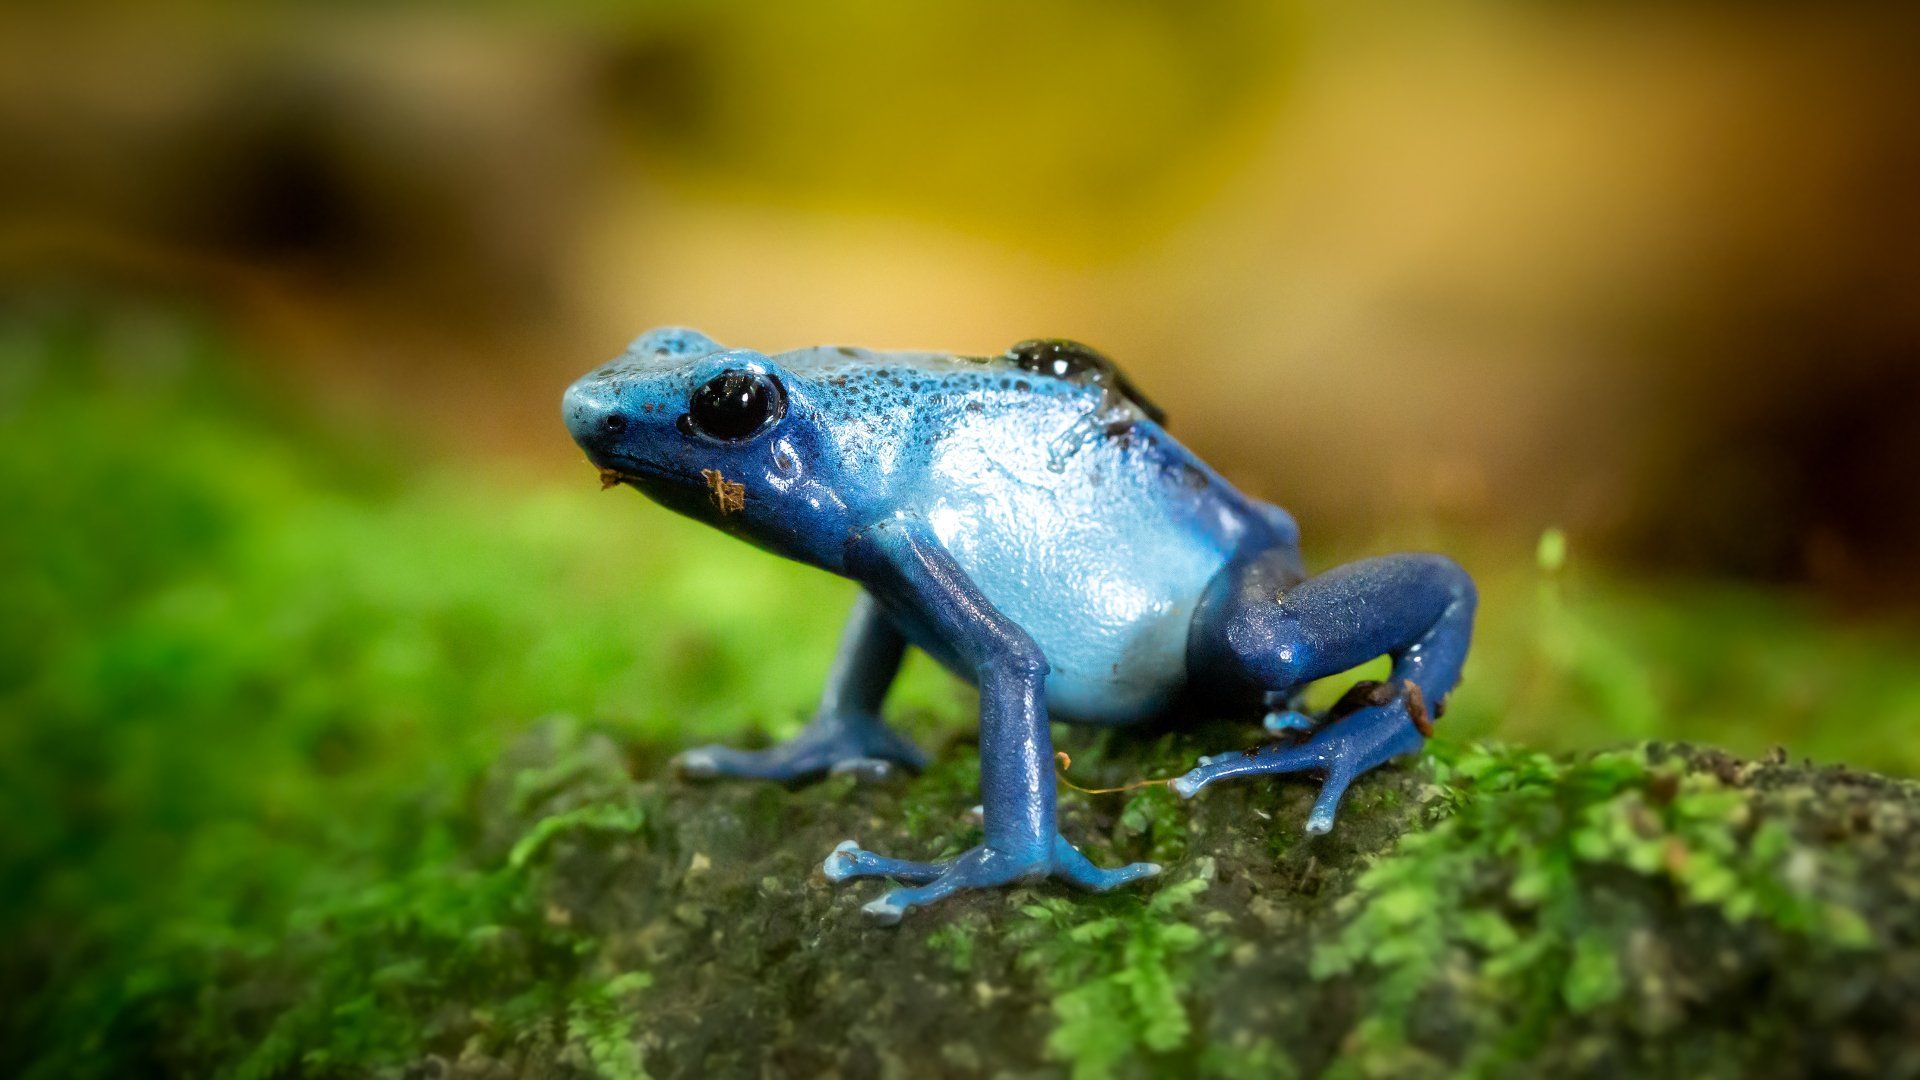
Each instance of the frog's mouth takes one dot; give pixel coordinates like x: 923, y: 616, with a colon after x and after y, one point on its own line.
x: 639, y: 475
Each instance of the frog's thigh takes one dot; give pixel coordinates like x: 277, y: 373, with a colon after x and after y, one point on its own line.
x: 1262, y: 628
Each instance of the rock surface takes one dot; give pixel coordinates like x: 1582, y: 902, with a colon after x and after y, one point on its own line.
x: 1652, y: 910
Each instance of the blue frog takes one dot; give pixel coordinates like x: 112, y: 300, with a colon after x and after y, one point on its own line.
x: 1026, y: 520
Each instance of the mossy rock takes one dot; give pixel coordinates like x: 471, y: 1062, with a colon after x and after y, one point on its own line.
x: 1653, y: 910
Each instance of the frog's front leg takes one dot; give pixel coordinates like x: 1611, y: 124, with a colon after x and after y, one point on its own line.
x: 846, y: 733
x: 1255, y: 626
x: 903, y: 563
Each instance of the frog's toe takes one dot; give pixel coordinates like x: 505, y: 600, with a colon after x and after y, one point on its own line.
x: 840, y: 862
x: 1320, y: 821
x: 1271, y: 758
x: 1096, y: 879
x: 1326, y: 805
x: 886, y: 910
x: 1283, y: 721
x: 870, y: 770
x: 849, y: 861
x: 1074, y: 868
x: 697, y: 764
x: 780, y: 763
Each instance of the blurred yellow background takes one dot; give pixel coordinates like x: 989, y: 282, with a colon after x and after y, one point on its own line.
x: 1647, y: 272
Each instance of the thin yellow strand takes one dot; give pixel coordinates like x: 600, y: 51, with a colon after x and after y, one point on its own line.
x: 1061, y: 763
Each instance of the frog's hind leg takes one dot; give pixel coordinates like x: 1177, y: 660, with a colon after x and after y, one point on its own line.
x: 1257, y: 627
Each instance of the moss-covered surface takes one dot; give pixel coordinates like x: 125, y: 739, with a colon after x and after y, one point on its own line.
x: 1657, y: 910
x: 278, y: 803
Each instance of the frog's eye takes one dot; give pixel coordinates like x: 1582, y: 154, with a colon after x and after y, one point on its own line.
x: 735, y: 404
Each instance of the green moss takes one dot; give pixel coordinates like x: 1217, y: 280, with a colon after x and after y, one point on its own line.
x: 1120, y: 970
x: 1519, y: 898
x: 934, y: 810
x: 611, y: 818
x: 955, y: 942
x: 600, y: 1020
x: 459, y: 952
x: 1156, y: 817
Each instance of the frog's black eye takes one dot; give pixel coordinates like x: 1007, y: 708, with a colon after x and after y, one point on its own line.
x: 735, y: 404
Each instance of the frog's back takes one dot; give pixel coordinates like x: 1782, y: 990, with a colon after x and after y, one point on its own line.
x: 1068, y: 506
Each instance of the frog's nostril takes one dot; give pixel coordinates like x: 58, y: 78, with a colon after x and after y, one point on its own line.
x: 613, y: 424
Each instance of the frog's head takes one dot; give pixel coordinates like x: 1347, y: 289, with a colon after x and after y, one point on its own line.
x: 712, y: 433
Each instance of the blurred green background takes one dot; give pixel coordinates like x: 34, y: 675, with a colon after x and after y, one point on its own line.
x: 1619, y: 303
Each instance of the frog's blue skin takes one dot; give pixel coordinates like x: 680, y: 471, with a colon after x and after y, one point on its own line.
x: 1044, y: 538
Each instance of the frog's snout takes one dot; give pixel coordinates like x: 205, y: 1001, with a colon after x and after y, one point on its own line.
x: 596, y: 418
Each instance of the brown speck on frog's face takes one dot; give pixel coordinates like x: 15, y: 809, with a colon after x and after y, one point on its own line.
x: 728, y: 497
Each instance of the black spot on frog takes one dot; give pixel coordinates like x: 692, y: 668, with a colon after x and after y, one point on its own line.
x: 1070, y: 360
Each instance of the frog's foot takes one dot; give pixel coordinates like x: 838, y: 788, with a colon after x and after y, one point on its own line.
x: 1288, y: 721
x: 849, y: 860
x: 1354, y: 744
x: 1285, y: 716
x: 983, y: 867
x: 858, y: 745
